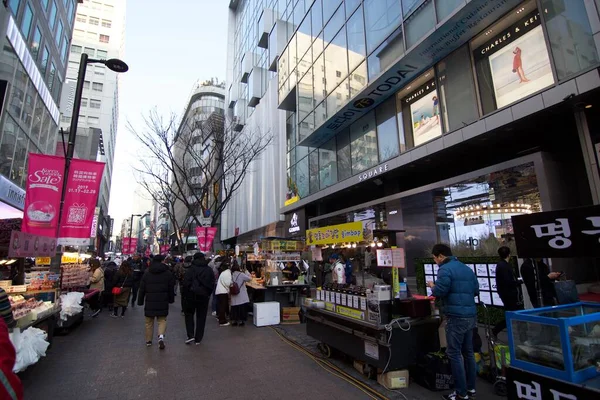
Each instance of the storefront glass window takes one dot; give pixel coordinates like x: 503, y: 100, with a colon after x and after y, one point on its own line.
x: 419, y: 23
x: 292, y: 188
x: 7, y: 147
x: 421, y: 109
x: 358, y: 79
x: 444, y: 8
x: 404, y: 143
x: 389, y: 51
x: 301, y: 152
x: 290, y: 128
x: 306, y: 127
x: 356, y: 39
x: 343, y: 155
x: 363, y: 143
x: 570, y: 35
x: 302, y: 177
x: 313, y: 162
x: 512, y: 61
x: 338, y: 98
x: 327, y: 164
x: 457, y: 90
x: 387, y: 129
x: 381, y: 18
x: 336, y: 61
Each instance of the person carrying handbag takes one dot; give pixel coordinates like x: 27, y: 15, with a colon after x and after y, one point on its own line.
x: 222, y: 292
x: 239, y: 300
x: 122, y: 284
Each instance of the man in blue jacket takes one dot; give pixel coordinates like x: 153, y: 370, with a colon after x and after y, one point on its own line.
x: 457, y: 286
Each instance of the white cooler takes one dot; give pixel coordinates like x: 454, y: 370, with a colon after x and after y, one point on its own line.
x: 266, y: 313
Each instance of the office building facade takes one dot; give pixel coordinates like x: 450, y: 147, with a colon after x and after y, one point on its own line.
x: 430, y: 120
x: 36, y: 36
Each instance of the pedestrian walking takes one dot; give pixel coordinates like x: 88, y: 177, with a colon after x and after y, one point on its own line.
x: 457, y: 286
x: 10, y: 384
x: 196, y: 289
x: 156, y: 292
x: 240, y: 301
x: 123, y: 280
x: 509, y: 289
x: 179, y: 271
x: 139, y: 268
x: 222, y: 293
x: 96, y: 282
x: 215, y: 265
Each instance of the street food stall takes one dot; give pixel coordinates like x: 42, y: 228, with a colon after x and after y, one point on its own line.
x: 555, y: 350
x: 380, y: 325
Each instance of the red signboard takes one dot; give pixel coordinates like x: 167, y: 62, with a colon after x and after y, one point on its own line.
x: 28, y: 245
x: 205, y: 237
x: 164, y: 249
x: 83, y: 187
x: 129, y: 246
x: 42, y: 194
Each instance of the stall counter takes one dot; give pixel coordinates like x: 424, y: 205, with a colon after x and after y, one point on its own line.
x: 259, y: 293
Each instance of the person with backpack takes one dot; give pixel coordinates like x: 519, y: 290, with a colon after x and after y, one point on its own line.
x: 222, y: 292
x: 239, y: 295
x: 179, y: 271
x: 196, y: 289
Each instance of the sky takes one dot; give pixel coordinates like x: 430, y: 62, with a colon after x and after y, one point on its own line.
x: 168, y: 47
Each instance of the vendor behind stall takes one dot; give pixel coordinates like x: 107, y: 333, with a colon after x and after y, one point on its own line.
x: 291, y: 271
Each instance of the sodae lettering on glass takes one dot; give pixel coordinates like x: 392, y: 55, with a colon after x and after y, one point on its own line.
x: 596, y: 224
x: 561, y: 232
x: 534, y: 392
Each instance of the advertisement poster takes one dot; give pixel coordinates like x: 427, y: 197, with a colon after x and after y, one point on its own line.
x: 28, y: 245
x: 129, y: 245
x: 83, y: 187
x: 334, y: 234
x: 42, y: 195
x: 425, y: 113
x: 205, y: 237
x: 384, y: 258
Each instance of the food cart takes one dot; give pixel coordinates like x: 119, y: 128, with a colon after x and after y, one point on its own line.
x: 555, y: 350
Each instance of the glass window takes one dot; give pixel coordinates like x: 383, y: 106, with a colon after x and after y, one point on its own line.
x: 301, y: 151
x: 97, y: 87
x: 363, y: 143
x: 313, y: 162
x: 45, y: 57
x: 305, y: 95
x: 329, y: 7
x: 327, y: 164
x: 457, y: 90
x: 71, y: 11
x: 20, y: 155
x: 89, y: 51
x: 51, y: 76
x: 358, y: 79
x: 387, y: 129
x: 512, y: 61
x: 381, y: 18
x: 14, y: 6
x: 86, y: 84
x: 338, y: 98
x: 104, y: 38
x: 63, y: 50
x: 443, y: 8
x: 44, y: 4
x: 343, y: 155
x: 7, y: 146
x: 304, y: 39
x: 36, y: 42
x: 319, y: 79
x: 52, y: 15
x: 404, y: 144
x: 106, y: 23
x: 356, y: 39
x: 408, y: 6
x: 59, y: 32
x: 302, y: 177
x: 102, y: 54
x: 290, y: 128
x: 336, y: 61
x: 385, y: 55
x: 27, y: 20
x: 351, y: 6
x: 93, y: 120
x: 317, y: 18
x: 334, y: 25
x: 570, y: 36
x: 419, y: 23
x: 84, y: 102
x: 320, y: 114
x: 95, y: 103
x: 76, y: 49
x: 306, y: 127
x: 93, y: 21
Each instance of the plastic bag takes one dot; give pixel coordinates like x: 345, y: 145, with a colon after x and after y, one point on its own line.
x: 70, y: 304
x: 30, y: 345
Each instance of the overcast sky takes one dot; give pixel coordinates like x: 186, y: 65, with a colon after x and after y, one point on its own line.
x: 168, y: 47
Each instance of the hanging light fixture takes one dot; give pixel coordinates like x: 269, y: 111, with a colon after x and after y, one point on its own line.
x: 379, y: 244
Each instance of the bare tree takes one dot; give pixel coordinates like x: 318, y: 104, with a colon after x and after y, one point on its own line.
x: 197, y: 164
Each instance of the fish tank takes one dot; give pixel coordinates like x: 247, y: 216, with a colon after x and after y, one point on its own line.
x: 562, y: 342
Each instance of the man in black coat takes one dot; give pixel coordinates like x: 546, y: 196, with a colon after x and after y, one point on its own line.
x: 139, y: 267
x: 198, y: 284
x: 509, y: 287
x: 157, y: 290
x: 547, y: 280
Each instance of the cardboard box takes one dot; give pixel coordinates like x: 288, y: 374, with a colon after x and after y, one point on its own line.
x: 394, y: 379
x: 266, y: 313
x: 359, y: 366
x: 290, y: 315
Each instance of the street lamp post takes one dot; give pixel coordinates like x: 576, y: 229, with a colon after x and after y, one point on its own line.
x: 114, y: 65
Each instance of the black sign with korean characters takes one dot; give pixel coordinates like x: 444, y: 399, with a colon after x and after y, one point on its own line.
x: 295, y: 223
x: 524, y: 385
x: 573, y: 232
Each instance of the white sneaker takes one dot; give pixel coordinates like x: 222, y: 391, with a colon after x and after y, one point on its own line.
x: 214, y: 314
x: 225, y: 324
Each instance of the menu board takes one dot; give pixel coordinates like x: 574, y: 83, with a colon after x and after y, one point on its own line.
x: 486, y: 277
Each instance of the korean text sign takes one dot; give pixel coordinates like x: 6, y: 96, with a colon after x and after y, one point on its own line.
x: 573, y: 232
x: 334, y: 234
x: 42, y: 196
x: 27, y: 245
x: 205, y: 237
x: 83, y: 187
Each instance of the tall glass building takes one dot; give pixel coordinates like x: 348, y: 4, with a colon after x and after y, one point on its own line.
x: 36, y: 36
x: 407, y: 113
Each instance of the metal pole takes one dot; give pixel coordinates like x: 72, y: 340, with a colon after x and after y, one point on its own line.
x: 72, y: 134
x: 538, y: 283
x: 130, y: 231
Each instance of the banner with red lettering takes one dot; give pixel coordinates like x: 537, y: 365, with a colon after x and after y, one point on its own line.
x: 129, y: 246
x: 205, y: 237
x: 42, y: 194
x: 83, y: 187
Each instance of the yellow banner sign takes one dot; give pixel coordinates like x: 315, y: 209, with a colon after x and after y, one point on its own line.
x: 329, y: 307
x: 43, y: 261
x: 69, y: 258
x: 292, y: 200
x: 334, y: 234
x: 350, y: 312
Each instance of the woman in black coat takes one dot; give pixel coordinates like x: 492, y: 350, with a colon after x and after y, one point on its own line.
x: 157, y: 291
